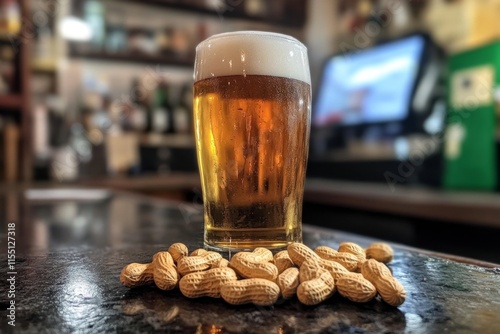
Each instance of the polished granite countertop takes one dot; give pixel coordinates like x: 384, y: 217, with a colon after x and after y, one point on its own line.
x: 72, y: 244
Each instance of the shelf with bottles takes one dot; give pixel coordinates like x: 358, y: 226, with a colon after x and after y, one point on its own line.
x: 135, y: 31
x: 13, y: 42
x: 287, y: 13
x: 15, y: 129
x: 112, y: 127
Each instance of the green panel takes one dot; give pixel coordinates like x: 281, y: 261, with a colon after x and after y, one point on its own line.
x: 470, y: 150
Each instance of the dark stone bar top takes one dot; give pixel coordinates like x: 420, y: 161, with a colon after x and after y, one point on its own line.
x: 72, y: 244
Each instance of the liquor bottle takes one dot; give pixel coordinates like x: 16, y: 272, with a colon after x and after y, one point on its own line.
x: 139, y: 117
x: 182, y: 118
x: 116, y: 39
x: 94, y: 16
x: 162, y: 110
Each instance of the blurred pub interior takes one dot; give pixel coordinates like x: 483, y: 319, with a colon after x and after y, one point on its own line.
x: 405, y: 119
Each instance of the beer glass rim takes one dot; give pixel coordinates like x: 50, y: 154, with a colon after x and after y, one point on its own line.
x: 255, y: 33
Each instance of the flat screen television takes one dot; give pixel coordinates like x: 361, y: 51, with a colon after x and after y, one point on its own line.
x: 370, y: 86
x: 369, y: 102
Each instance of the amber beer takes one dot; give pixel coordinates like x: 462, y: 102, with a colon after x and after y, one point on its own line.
x: 252, y: 100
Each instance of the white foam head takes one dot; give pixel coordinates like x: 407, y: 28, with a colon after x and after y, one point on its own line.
x: 252, y: 53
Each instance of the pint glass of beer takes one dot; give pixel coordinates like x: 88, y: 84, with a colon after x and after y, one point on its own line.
x: 252, y: 106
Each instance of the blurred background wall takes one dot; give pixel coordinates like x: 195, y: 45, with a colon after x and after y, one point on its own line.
x: 79, y: 76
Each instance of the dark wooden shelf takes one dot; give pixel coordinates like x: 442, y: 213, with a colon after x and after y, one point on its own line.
x: 472, y: 208
x: 7, y: 37
x: 10, y: 101
x: 133, y: 57
x: 295, y: 19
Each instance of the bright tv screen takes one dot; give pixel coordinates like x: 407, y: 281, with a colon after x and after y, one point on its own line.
x: 370, y: 86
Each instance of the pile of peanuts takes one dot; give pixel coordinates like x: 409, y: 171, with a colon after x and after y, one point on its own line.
x: 260, y: 278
